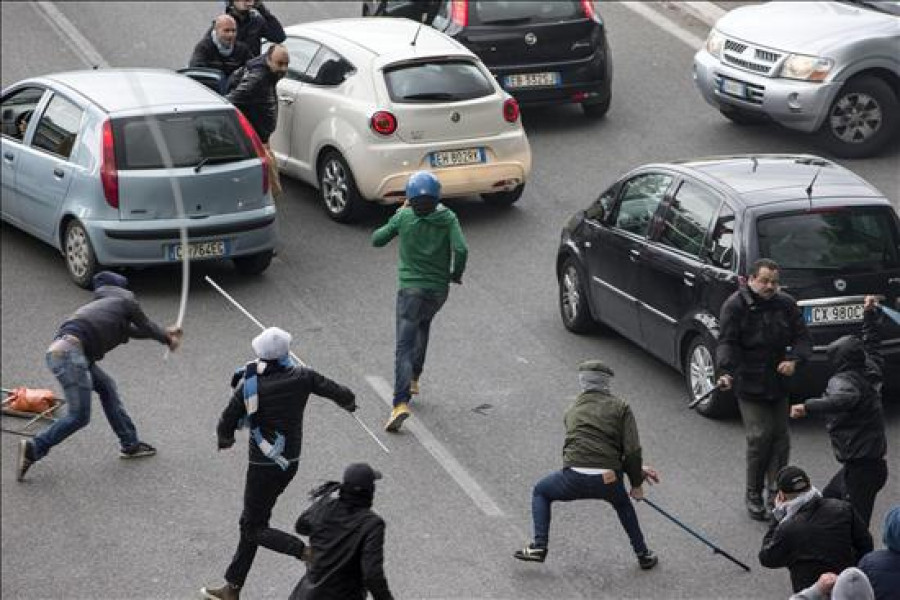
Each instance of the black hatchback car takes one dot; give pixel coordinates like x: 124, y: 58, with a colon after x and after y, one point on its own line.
x: 656, y: 255
x: 541, y: 52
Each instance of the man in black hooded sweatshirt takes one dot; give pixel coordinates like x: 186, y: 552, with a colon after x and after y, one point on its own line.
x: 852, y: 406
x: 346, y: 541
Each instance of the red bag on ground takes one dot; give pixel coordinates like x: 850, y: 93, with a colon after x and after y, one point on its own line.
x: 23, y: 399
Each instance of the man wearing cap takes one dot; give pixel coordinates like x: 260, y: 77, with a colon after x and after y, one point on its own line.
x: 346, y: 541
x: 433, y: 253
x: 601, y: 446
x: 270, y: 396
x: 110, y: 319
x: 811, y: 535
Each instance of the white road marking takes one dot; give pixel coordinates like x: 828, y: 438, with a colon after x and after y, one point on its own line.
x: 439, y: 452
x: 79, y: 44
x: 664, y: 23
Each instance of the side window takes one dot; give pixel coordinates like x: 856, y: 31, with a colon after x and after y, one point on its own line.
x: 327, y: 68
x: 688, y: 218
x: 720, y: 244
x: 18, y: 108
x: 301, y: 52
x: 58, y: 128
x: 602, y: 207
x: 641, y: 196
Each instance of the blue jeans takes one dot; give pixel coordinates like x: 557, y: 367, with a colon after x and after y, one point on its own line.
x: 567, y: 485
x: 78, y: 377
x: 416, y: 307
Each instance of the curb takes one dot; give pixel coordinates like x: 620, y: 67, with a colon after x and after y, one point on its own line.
x: 706, y: 12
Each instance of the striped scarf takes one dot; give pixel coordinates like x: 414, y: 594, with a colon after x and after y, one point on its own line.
x: 272, y: 450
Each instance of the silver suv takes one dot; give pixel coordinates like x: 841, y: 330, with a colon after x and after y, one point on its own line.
x: 832, y: 68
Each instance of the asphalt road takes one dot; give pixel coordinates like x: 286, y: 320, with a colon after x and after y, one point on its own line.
x: 86, y: 525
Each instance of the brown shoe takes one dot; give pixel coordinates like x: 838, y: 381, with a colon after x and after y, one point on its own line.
x: 229, y: 591
x: 398, y: 415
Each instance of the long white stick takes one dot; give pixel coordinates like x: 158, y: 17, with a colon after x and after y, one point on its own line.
x: 247, y: 314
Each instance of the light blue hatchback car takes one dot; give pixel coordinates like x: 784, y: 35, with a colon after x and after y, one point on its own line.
x: 84, y: 169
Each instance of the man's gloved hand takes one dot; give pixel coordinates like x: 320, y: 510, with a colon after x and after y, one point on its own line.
x: 225, y: 443
x: 457, y: 279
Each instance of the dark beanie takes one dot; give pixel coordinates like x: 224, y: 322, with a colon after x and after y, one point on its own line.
x: 109, y: 278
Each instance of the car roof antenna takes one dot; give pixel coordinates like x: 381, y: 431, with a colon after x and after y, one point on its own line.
x: 415, y: 37
x: 809, y: 188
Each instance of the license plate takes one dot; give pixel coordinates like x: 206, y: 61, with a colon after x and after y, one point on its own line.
x: 212, y: 249
x: 527, y: 80
x: 452, y: 158
x: 734, y: 88
x: 823, y: 315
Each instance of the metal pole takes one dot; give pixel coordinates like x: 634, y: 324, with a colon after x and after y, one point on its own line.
x: 247, y: 314
x: 700, y: 399
x: 716, y: 549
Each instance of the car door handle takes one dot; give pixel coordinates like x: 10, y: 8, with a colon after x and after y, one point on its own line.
x: 634, y: 255
x: 285, y: 99
x: 689, y: 279
x: 8, y: 156
x: 57, y: 172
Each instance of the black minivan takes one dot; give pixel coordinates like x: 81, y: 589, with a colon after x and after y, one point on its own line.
x: 541, y: 52
x: 656, y: 255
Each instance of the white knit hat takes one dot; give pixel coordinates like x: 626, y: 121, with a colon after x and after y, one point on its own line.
x: 272, y: 344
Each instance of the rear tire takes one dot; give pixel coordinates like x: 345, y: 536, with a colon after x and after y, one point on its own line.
x: 337, y: 188
x: 504, y: 198
x: 573, y: 299
x: 79, y: 254
x: 742, y: 117
x: 861, y: 119
x: 253, y: 264
x: 597, y: 110
x: 699, y: 377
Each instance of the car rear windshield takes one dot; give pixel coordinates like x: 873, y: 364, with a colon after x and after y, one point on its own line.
x: 491, y: 12
x: 437, y: 81
x: 191, y: 139
x: 842, y: 239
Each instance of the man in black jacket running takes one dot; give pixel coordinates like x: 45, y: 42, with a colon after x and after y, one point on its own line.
x: 346, y: 541
x: 270, y: 396
x: 110, y: 319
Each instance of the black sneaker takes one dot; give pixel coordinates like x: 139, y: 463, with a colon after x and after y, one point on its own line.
x: 531, y: 553
x: 755, y: 506
x: 139, y: 450
x: 229, y: 591
x: 647, y: 559
x: 26, y: 459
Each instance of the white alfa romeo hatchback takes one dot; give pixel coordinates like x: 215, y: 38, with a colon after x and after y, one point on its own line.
x: 367, y: 102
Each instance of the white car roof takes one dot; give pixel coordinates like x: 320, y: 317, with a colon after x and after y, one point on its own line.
x: 380, y: 39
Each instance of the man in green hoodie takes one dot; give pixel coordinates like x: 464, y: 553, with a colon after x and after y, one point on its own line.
x: 601, y: 445
x: 432, y: 254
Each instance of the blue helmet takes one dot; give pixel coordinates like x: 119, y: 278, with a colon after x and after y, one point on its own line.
x: 423, y: 183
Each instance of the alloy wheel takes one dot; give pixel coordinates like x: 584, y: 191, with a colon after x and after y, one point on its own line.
x: 335, y: 189
x: 702, y: 370
x: 571, y: 294
x: 855, y: 118
x: 77, y: 252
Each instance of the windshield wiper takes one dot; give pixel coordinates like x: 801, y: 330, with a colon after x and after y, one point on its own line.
x: 200, y: 164
x: 431, y: 96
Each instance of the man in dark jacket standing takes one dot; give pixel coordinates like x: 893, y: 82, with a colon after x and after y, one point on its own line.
x: 601, y: 445
x: 855, y: 420
x: 219, y: 49
x: 270, y: 396
x: 255, y: 23
x: 882, y: 567
x: 110, y: 319
x: 762, y: 339
x: 811, y: 535
x: 253, y: 89
x: 346, y: 541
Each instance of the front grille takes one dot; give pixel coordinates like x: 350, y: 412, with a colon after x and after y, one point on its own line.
x: 755, y: 92
x: 750, y: 58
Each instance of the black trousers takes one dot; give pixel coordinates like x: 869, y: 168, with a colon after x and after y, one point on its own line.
x: 768, y: 441
x: 264, y: 484
x: 858, y: 482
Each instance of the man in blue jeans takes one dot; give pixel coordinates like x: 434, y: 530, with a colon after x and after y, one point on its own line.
x: 433, y: 253
x: 110, y: 319
x: 601, y: 444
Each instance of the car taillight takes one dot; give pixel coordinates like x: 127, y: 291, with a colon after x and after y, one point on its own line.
x: 261, y: 151
x: 587, y: 7
x: 383, y: 122
x: 109, y: 173
x: 510, y: 110
x: 459, y: 12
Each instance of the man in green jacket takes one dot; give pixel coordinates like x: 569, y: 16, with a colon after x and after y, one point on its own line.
x: 601, y: 444
x: 432, y: 254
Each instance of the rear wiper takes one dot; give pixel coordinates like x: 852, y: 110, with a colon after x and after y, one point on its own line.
x: 431, y: 96
x: 200, y: 164
x: 515, y: 21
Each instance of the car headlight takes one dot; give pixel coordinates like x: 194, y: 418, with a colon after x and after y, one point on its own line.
x: 807, y: 68
x: 714, y: 43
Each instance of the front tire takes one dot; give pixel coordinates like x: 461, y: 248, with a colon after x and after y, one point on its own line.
x: 862, y: 118
x: 337, y: 188
x: 504, y: 198
x: 79, y: 254
x: 700, y: 377
x: 254, y: 264
x: 573, y: 299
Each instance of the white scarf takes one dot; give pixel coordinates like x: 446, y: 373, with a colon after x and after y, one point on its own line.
x: 787, y: 510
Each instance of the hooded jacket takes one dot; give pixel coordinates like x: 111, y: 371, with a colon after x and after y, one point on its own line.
x: 824, y: 535
x: 433, y: 250
x: 851, y: 402
x: 347, y: 542
x: 754, y: 337
x: 255, y: 24
x: 110, y: 319
x: 882, y: 567
x: 252, y: 91
x: 207, y: 55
